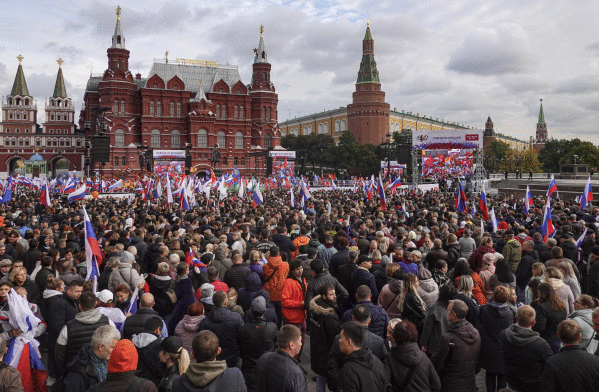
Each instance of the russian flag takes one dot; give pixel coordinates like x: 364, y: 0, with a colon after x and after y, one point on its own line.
x: 587, y: 195
x: 460, y: 201
x: 69, y: 186
x: 528, y: 203
x: 45, y: 194
x: 133, y: 302
x: 547, y: 229
x: 93, y: 254
x: 482, y: 204
x: 293, y: 203
x: 552, y: 186
x: 395, y: 184
x: 117, y: 185
x: 334, y: 185
x: 78, y: 194
x: 493, y: 220
x: 183, y: 200
x: 381, y: 191
x: 258, y: 199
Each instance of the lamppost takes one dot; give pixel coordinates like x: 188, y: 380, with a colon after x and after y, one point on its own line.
x: 575, y: 159
x: 388, y: 148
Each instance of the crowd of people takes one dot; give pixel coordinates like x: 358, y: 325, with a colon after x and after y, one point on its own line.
x: 227, y: 296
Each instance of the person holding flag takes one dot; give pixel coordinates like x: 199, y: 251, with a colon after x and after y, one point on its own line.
x: 78, y: 194
x: 8, y: 193
x: 482, y: 204
x: 45, y: 194
x: 460, y: 201
x: 552, y: 187
x: 528, y: 202
x: 257, y: 198
x: 93, y: 254
x: 587, y: 195
x: 381, y: 191
x: 547, y: 229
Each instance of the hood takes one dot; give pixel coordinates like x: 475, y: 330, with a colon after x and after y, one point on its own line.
x: 499, y: 310
x: 218, y: 314
x: 201, y: 374
x: 143, y: 339
x: 51, y: 293
x: 190, y: 323
x: 585, y: 314
x: 362, y: 357
x: 318, y: 306
x: 407, y: 354
x: 568, y: 245
x: 555, y: 283
x: 520, y: 336
x: 279, y: 238
x: 253, y: 282
x: 428, y: 285
x: 89, y: 316
x: 84, y: 355
x: 465, y: 331
x: 532, y: 253
x: 395, y: 285
x: 136, y: 240
x: 154, y: 248
x: 314, y: 243
x: 162, y: 282
x: 275, y: 261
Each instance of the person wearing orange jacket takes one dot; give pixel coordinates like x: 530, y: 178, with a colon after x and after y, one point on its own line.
x: 275, y: 271
x: 292, y: 300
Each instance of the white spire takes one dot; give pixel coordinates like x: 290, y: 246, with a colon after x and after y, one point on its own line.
x: 118, y: 39
x: 260, y: 53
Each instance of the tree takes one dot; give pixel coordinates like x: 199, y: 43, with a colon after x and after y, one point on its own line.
x: 289, y: 142
x: 345, y: 154
x: 529, y: 160
x: 369, y: 158
x: 562, y: 152
x: 495, y: 156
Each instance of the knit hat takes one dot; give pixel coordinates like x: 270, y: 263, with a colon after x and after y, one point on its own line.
x: 424, y: 274
x: 5, y: 263
x: 258, y: 304
x: 127, y: 257
x: 123, y: 358
x: 207, y: 290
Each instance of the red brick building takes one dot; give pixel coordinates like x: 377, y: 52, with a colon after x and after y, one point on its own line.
x: 28, y: 149
x: 183, y: 103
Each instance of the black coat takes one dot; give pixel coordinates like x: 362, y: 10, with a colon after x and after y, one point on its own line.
x: 572, y: 369
x: 524, y: 356
x: 225, y: 325
x: 236, y: 276
x: 61, y: 312
x: 324, y: 326
x: 159, y: 285
x: 405, y: 356
x: 493, y: 319
x: 81, y: 373
x: 280, y: 372
x: 284, y: 243
x: 319, y: 280
x: 30, y: 258
x: 255, y: 338
x: 413, y: 310
x: 456, y: 358
x: 524, y: 271
x: 337, y: 260
x: 547, y: 320
x: 362, y: 372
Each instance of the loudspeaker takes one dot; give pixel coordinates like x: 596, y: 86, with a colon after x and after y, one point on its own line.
x: 404, y: 154
x: 268, y: 166
x: 188, y: 161
x: 101, y: 149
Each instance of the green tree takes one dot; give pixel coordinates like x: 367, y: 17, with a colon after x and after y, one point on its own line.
x: 495, y: 156
x: 562, y: 152
x: 528, y: 159
x: 345, y: 154
x: 289, y: 142
x: 369, y: 158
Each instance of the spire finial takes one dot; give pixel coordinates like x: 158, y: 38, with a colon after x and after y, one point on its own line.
x: 368, y: 24
x: 59, y: 61
x: 118, y: 12
x: 261, y: 30
x: 20, y: 58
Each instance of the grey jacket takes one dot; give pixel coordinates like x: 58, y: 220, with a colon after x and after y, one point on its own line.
x: 584, y: 318
x: 124, y: 274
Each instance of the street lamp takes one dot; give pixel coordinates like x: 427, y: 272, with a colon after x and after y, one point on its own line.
x: 575, y: 159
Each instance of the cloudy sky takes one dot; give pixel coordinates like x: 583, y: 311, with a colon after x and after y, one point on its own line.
x: 459, y: 60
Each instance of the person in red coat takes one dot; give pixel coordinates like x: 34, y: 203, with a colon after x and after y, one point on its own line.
x: 292, y: 299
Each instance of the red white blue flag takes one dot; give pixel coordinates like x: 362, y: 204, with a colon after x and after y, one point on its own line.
x: 93, y: 254
x: 482, y: 204
x: 552, y: 186
x: 587, y: 195
x: 547, y: 229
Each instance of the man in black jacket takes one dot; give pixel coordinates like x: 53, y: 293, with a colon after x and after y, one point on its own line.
x: 236, y: 275
x: 572, y: 369
x: 90, y: 366
x: 256, y: 337
x: 282, y: 241
x: 361, y: 371
x: 147, y: 344
x: 321, y: 277
x: 135, y: 323
x: 524, y: 352
x: 324, y: 326
x: 524, y: 271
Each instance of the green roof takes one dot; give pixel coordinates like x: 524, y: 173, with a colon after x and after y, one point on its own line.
x: 60, y: 90
x: 367, y: 35
x: 368, y: 72
x: 19, y: 87
x: 541, y: 115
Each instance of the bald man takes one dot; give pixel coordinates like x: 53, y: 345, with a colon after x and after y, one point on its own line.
x: 134, y: 324
x: 437, y: 253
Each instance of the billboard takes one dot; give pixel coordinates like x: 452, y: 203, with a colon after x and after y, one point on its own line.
x: 282, y: 161
x: 447, y: 140
x: 169, y: 161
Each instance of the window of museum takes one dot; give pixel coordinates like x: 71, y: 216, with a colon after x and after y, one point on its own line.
x: 217, y: 111
x: 221, y: 140
x: 202, y: 138
x: 155, y: 139
x: 152, y: 108
x: 115, y: 110
x: 224, y: 111
x: 267, y: 141
x: 239, y: 140
x: 179, y: 108
x: 236, y: 112
x: 119, y: 138
x: 241, y: 116
x: 172, y: 108
x: 158, y: 109
x: 176, y: 139
x: 122, y: 108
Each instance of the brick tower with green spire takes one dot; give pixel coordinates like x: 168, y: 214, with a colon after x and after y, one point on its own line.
x: 368, y: 114
x: 541, y: 135
x: 19, y: 109
x: 60, y: 111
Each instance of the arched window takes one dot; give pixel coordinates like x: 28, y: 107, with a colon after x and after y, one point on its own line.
x: 224, y: 111
x: 241, y: 116
x: 152, y: 108
x: 172, y: 108
x: 343, y: 125
x: 264, y: 114
x: 221, y: 140
x: 267, y: 140
x: 119, y: 138
x: 158, y: 109
x: 176, y: 139
x: 24, y: 115
x: 320, y: 128
x: 179, y: 109
x: 116, y: 161
x: 239, y: 140
x: 202, y: 138
x: 217, y: 111
x: 236, y: 112
x: 326, y: 128
x: 155, y: 139
x: 122, y: 108
x: 116, y: 107
x: 269, y: 117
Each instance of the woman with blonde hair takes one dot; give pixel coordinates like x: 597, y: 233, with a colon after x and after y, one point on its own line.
x: 176, y: 360
x: 538, y: 270
x: 465, y: 286
x: 411, y: 304
x: 569, y: 277
x: 18, y: 277
x: 554, y: 277
x: 488, y: 269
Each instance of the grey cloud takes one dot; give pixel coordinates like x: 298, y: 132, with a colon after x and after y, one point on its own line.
x: 426, y: 84
x: 578, y: 85
x: 523, y: 83
x: 506, y: 49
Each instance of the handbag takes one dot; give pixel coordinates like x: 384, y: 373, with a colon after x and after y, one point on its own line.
x: 171, y: 295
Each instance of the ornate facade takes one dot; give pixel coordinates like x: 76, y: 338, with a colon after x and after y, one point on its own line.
x: 183, y: 104
x: 28, y: 149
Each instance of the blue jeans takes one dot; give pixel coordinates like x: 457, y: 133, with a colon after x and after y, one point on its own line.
x: 321, y: 383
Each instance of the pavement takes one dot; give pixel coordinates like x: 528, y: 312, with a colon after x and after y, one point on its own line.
x: 305, y: 364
